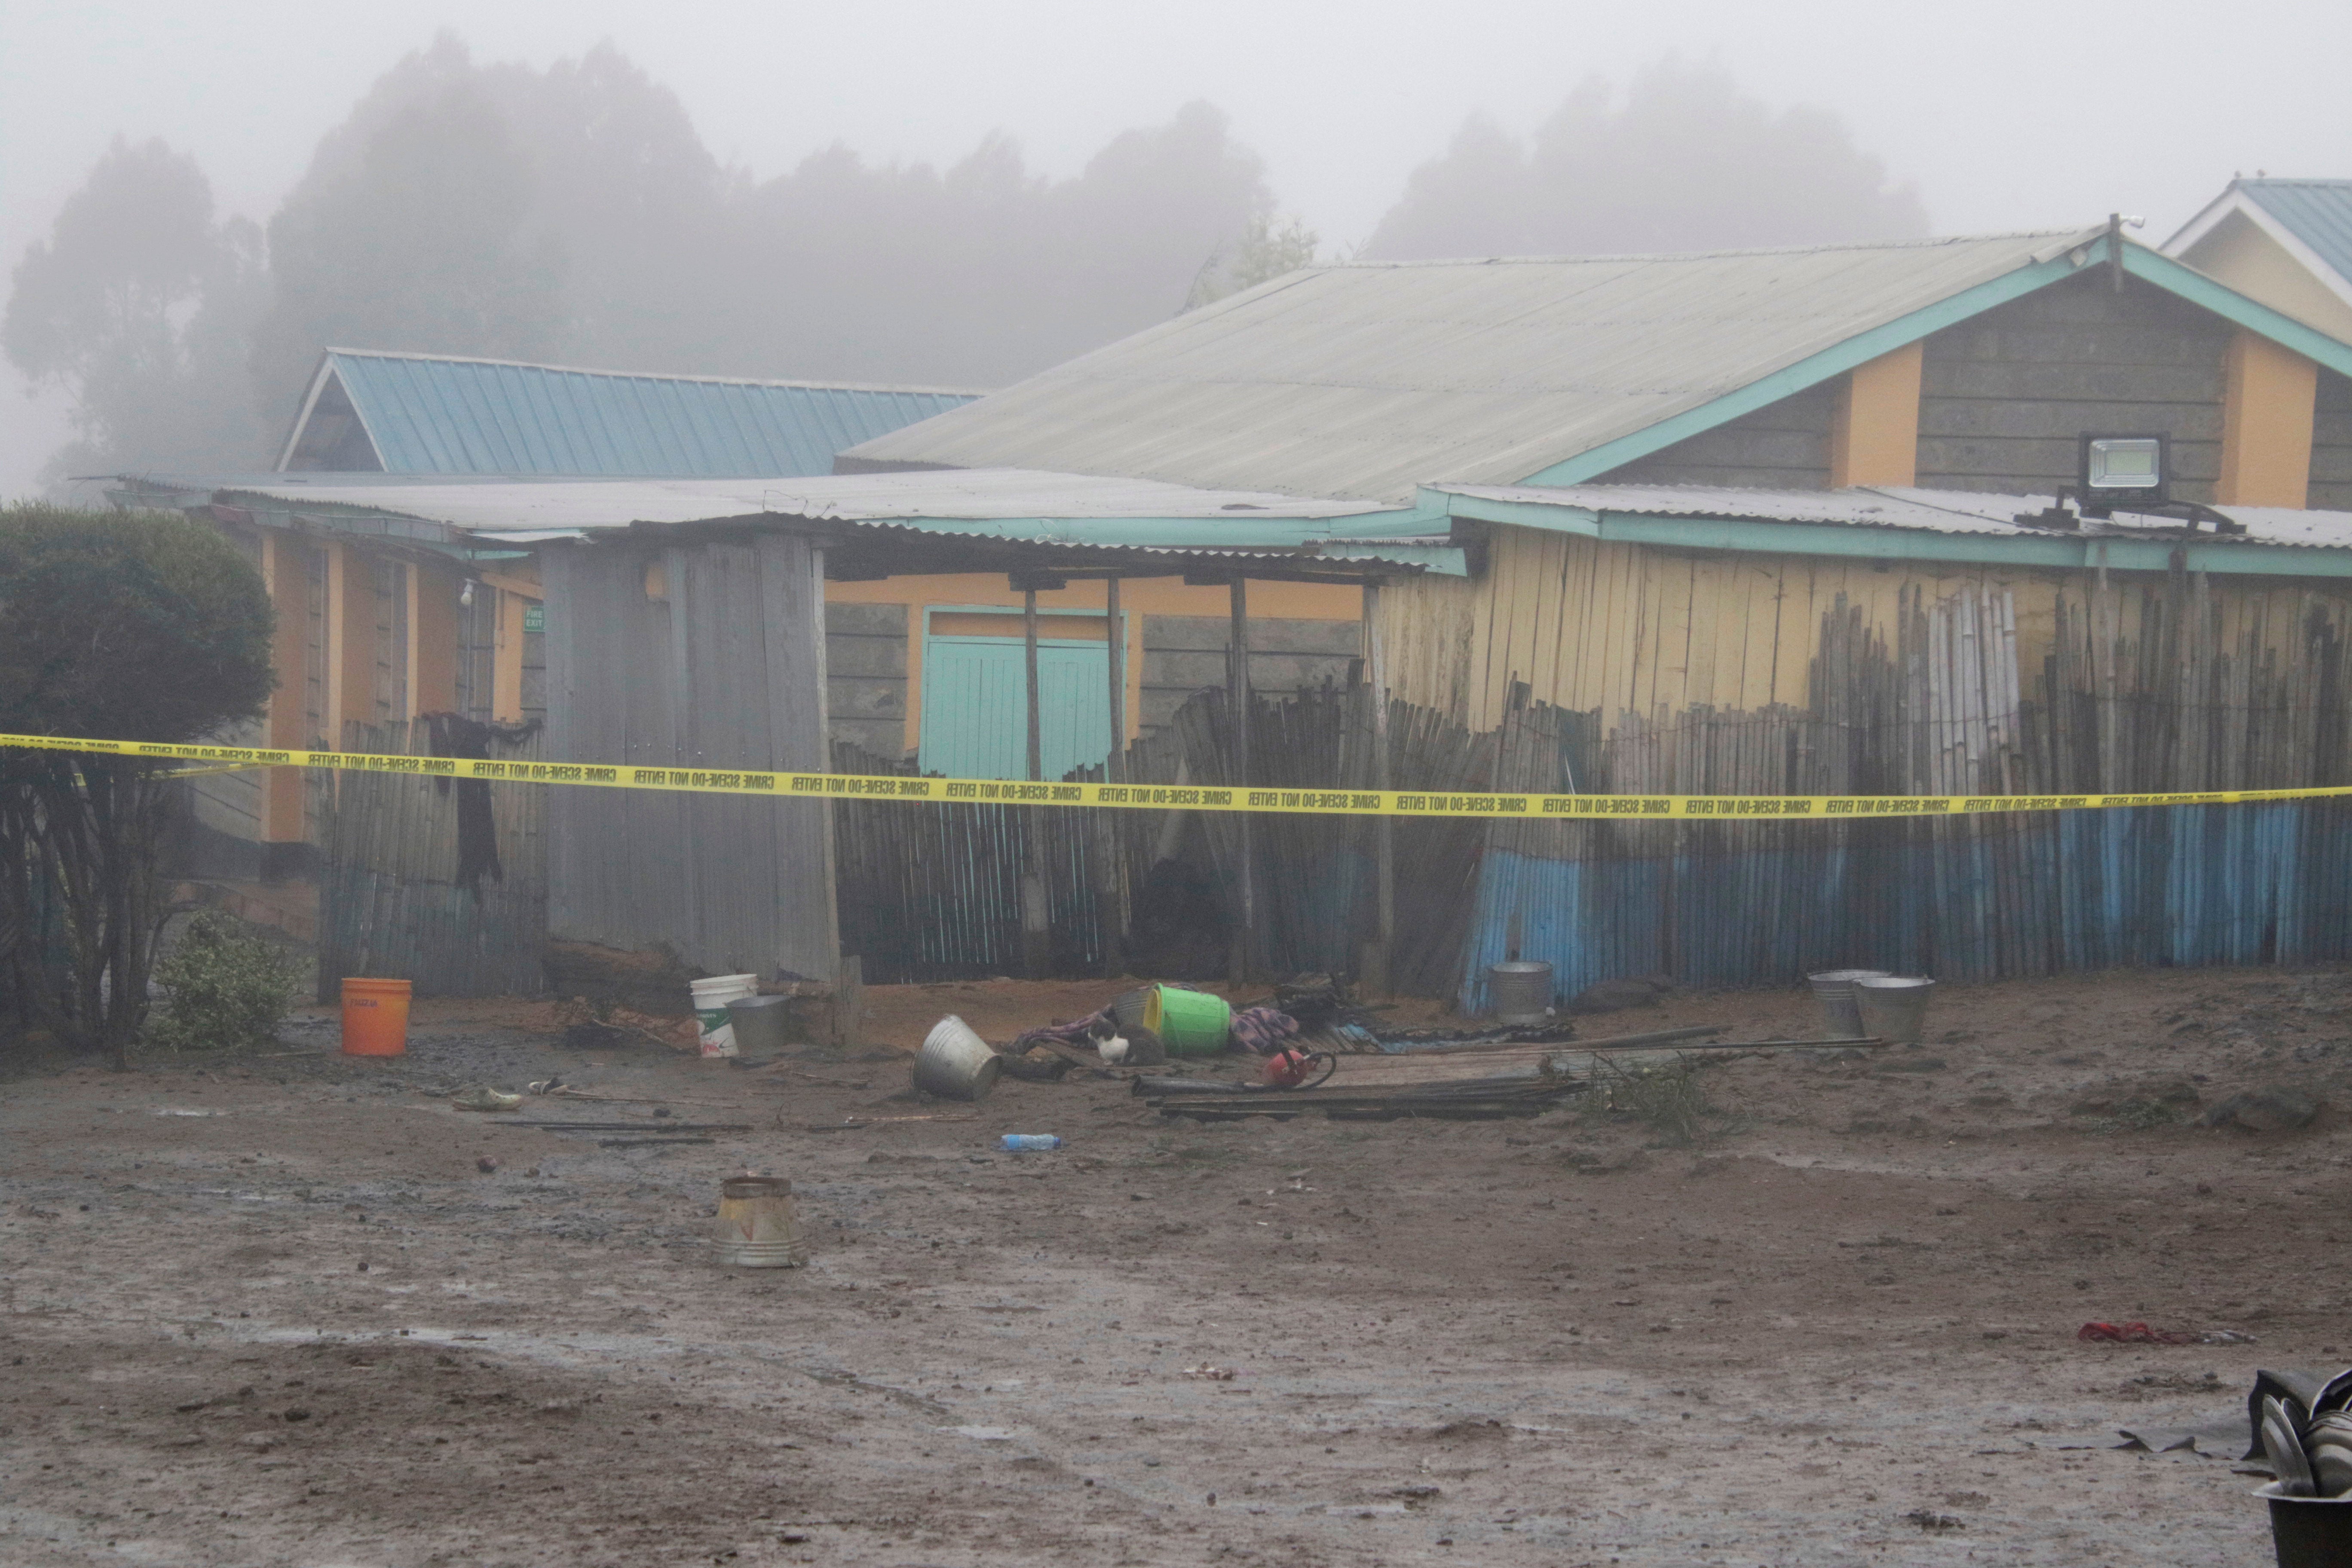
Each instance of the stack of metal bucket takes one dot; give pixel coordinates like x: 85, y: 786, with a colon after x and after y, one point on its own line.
x: 1870, y: 1004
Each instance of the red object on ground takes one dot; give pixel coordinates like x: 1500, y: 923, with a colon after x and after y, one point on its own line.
x: 1289, y: 1068
x: 2134, y: 1334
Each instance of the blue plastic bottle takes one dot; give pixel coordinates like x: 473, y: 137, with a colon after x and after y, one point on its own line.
x: 1030, y: 1142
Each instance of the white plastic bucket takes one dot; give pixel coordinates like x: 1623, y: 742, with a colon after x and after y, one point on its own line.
x: 710, y: 999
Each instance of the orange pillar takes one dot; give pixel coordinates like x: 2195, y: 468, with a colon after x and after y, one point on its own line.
x: 506, y: 657
x: 433, y: 636
x: 2266, y: 414
x: 1874, y: 431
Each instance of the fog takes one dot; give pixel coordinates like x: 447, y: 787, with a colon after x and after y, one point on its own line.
x: 959, y: 194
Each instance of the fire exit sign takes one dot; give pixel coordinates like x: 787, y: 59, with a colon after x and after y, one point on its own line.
x: 534, y: 617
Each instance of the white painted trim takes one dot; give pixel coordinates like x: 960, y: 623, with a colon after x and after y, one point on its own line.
x: 2236, y: 201
x: 2230, y: 199
x: 310, y: 401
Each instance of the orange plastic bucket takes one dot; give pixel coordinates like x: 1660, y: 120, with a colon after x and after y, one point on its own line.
x: 375, y: 1018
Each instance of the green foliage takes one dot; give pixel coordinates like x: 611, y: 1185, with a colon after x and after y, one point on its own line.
x: 127, y: 625
x: 124, y: 627
x: 1668, y: 1097
x: 224, y: 988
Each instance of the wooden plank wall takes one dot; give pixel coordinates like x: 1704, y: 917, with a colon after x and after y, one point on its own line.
x: 389, y: 902
x: 1649, y: 669
x: 725, y: 670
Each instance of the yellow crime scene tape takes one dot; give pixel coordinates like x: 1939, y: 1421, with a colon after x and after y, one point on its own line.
x: 1159, y: 797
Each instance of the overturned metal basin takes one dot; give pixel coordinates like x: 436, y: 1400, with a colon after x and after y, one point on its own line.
x: 955, y: 1062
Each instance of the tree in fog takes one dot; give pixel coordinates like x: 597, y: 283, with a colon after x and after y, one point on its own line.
x: 1683, y: 160
x: 137, y: 307
x: 574, y: 214
x: 983, y: 273
x: 1267, y: 249
x: 418, y: 226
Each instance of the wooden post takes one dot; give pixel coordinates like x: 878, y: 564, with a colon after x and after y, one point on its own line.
x: 286, y: 573
x: 1037, y: 719
x: 1036, y: 935
x: 1115, y: 766
x: 1237, y: 714
x: 1110, y: 826
x: 1372, y: 968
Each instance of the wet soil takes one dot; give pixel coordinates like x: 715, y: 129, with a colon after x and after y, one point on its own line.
x: 269, y: 1310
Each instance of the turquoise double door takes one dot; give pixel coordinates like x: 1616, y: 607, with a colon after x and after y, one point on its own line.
x: 976, y: 707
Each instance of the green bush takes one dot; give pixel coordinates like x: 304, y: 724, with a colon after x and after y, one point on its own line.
x: 224, y: 987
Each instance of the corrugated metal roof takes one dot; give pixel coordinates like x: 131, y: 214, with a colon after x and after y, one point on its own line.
x: 434, y: 415
x: 1366, y: 379
x: 1009, y: 504
x: 2317, y: 212
x: 1936, y: 512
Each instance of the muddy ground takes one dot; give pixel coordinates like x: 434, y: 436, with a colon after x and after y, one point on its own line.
x: 269, y: 1309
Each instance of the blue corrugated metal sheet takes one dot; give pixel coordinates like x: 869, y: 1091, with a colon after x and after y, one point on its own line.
x: 2317, y: 212
x: 431, y: 416
x: 2155, y: 886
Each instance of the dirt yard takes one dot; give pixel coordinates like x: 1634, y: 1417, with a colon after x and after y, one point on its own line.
x: 269, y: 1310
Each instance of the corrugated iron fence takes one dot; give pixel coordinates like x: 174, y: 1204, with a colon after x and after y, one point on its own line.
x: 390, y: 900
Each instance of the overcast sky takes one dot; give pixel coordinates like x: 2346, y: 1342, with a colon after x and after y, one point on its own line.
x: 2010, y: 114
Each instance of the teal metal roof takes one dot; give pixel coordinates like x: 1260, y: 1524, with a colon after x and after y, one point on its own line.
x: 2317, y: 212
x: 430, y: 414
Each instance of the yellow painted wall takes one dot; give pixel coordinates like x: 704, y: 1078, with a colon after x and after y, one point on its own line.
x: 2266, y: 425
x: 1652, y: 632
x: 1138, y: 597
x: 1874, y: 425
x: 2255, y: 264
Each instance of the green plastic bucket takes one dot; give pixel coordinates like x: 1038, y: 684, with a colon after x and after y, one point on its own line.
x: 1189, y: 1022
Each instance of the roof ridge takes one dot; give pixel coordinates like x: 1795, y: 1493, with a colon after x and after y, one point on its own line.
x: 1931, y: 243
x: 2294, y: 179
x: 661, y: 375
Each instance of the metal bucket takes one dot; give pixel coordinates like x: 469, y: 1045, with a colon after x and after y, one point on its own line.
x: 1893, y: 1007
x: 956, y: 1062
x: 762, y: 1024
x: 2309, y: 1532
x: 1521, y: 993
x: 1833, y: 989
x: 757, y: 1227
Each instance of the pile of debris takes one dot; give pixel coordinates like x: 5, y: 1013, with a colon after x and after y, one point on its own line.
x: 1315, y: 1050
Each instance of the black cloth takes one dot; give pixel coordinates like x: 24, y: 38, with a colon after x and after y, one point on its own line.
x: 454, y: 736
